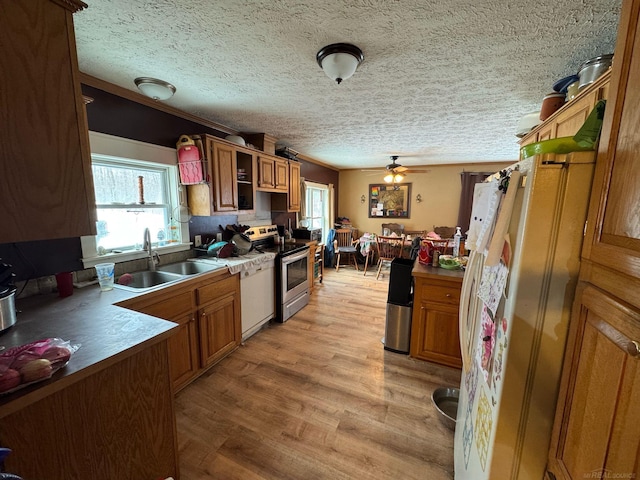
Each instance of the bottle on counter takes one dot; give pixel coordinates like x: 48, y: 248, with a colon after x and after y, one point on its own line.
x: 436, y: 258
x: 456, y: 242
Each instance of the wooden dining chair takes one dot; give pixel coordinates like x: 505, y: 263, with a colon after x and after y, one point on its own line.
x: 388, y: 248
x: 344, y: 244
x: 389, y: 228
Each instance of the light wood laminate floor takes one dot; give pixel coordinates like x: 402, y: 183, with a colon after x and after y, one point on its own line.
x: 318, y: 398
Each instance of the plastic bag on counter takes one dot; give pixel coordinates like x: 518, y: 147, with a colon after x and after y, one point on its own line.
x: 33, y: 362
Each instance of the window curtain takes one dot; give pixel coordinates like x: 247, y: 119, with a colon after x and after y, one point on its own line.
x: 468, y: 180
x: 303, y: 199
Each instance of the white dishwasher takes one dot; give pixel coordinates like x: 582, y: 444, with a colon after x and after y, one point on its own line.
x: 257, y: 293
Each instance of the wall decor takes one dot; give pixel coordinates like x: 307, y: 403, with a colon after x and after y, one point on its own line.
x: 389, y: 201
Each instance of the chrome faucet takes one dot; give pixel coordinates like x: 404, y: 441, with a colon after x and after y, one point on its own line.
x: 154, y: 258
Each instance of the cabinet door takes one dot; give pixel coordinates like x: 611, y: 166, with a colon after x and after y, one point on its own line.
x: 219, y: 329
x: 613, y: 235
x: 281, y: 174
x: 225, y: 176
x: 183, y: 352
x: 266, y: 171
x: 596, y: 430
x: 47, y: 184
x: 569, y: 121
x: 294, y: 187
x: 437, y: 338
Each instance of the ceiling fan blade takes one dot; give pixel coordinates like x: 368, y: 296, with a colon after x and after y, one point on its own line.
x: 400, y: 169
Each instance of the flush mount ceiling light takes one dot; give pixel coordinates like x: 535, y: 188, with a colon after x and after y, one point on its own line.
x: 339, y: 60
x: 154, y: 88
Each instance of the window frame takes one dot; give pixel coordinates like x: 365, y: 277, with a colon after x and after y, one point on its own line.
x: 122, y: 151
x: 326, y: 215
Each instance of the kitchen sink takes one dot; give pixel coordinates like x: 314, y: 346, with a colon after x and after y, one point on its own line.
x: 148, y: 279
x: 188, y: 268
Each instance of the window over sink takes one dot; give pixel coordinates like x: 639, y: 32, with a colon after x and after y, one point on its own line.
x: 136, y: 187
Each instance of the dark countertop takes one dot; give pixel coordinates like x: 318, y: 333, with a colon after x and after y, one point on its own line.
x: 428, y: 271
x: 105, y: 332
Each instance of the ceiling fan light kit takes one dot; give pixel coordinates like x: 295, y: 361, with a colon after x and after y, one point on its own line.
x: 155, y: 88
x: 339, y: 61
x: 393, y: 178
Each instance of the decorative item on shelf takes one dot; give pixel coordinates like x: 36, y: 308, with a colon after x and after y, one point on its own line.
x: 418, y: 198
x: 154, y: 88
x: 237, y: 139
x: 339, y: 60
x: 363, y: 199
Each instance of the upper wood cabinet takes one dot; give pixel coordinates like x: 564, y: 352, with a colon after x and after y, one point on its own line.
x: 47, y: 185
x: 230, y: 173
x: 567, y: 120
x: 612, y: 246
x: 294, y: 186
x: 273, y: 173
x: 289, y: 201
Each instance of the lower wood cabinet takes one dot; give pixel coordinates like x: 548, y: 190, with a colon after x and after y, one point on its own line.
x: 434, y: 325
x: 208, y: 312
x: 597, y: 430
x: 220, y: 328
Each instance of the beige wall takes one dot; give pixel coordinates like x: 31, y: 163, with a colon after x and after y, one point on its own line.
x: 440, y: 190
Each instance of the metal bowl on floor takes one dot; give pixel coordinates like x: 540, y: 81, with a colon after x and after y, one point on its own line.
x: 445, y: 399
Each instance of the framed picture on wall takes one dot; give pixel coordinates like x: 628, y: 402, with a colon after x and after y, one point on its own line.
x: 389, y: 201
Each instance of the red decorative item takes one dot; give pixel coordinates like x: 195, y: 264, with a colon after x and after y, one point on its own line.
x: 189, y: 161
x: 424, y: 254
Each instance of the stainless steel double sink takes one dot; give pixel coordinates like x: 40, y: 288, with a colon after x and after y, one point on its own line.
x: 164, y: 274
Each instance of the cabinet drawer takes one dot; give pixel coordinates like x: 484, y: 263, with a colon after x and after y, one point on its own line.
x: 216, y: 290
x: 172, y: 307
x: 440, y: 294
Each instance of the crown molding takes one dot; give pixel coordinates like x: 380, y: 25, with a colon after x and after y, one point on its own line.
x: 148, y: 102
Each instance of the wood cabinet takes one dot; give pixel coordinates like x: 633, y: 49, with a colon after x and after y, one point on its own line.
x: 219, y: 312
x: 596, y: 431
x: 289, y: 201
x: 434, y: 325
x: 208, y: 312
x: 597, y: 427
x: 47, y: 185
x: 230, y: 170
x: 118, y: 422
x: 273, y: 173
x: 294, y: 187
x: 567, y: 120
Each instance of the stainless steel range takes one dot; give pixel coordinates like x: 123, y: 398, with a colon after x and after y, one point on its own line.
x: 292, y: 270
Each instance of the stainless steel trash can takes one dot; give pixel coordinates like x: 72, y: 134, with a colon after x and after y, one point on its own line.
x: 397, y: 332
x: 397, y: 335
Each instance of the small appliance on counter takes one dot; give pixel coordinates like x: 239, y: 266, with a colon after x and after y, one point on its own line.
x: 7, y: 297
x: 308, y: 234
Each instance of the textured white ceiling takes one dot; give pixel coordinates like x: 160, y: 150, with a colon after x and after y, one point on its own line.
x: 448, y: 80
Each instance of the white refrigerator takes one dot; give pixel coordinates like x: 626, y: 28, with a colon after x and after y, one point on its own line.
x: 515, y: 306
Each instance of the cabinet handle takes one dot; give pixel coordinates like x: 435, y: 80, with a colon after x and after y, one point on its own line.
x: 448, y: 295
x: 634, y: 348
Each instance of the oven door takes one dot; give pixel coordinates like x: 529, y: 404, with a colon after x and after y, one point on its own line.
x: 295, y: 275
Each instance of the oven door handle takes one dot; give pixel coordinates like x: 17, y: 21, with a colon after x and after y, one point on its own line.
x: 295, y: 256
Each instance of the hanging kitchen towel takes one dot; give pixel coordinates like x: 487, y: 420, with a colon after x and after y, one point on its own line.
x: 486, y: 199
x: 502, y: 222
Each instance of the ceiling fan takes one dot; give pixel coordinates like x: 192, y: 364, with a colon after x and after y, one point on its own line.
x: 395, y: 172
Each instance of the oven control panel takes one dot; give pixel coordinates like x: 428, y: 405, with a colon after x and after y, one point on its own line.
x: 260, y: 232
